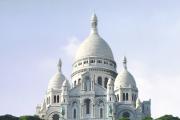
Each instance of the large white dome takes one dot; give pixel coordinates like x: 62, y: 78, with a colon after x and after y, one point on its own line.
x: 94, y: 45
x: 124, y: 79
x: 57, y: 80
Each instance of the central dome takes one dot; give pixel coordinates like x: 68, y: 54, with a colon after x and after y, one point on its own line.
x: 94, y: 45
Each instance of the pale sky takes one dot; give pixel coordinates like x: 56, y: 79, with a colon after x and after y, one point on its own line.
x: 34, y: 34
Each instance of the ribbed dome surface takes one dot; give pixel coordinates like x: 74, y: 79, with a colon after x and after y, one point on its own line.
x: 94, y: 46
x: 56, y: 81
x: 124, y: 79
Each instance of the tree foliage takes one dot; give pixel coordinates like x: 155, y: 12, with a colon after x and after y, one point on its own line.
x: 148, y: 118
x: 168, y: 117
x: 29, y: 118
x: 10, y: 117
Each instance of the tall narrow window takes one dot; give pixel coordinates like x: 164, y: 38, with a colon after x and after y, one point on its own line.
x: 58, y: 99
x: 87, y: 102
x: 126, y: 96
x: 54, y: 98
x: 101, y: 113
x: 100, y: 80
x: 105, y: 82
x: 74, y: 114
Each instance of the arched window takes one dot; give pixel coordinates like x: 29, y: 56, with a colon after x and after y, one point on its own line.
x: 74, y: 114
x: 105, y: 82
x: 58, y: 99
x: 54, y: 98
x: 101, y: 113
x: 100, y: 80
x: 55, y: 117
x: 126, y: 115
x: 87, y: 103
x: 126, y: 96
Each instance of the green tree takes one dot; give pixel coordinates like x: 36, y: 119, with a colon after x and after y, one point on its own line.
x: 8, y: 117
x: 29, y: 118
x: 148, y: 118
x: 168, y: 117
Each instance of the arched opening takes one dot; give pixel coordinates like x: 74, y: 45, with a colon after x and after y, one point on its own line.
x: 87, y: 83
x: 127, y: 97
x: 124, y: 98
x: 54, y: 98
x: 126, y: 115
x: 101, y: 113
x: 55, y: 117
x: 100, y: 80
x: 87, y: 104
x: 105, y: 82
x: 58, y: 99
x: 74, y: 114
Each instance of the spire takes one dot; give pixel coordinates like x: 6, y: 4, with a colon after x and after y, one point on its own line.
x: 59, y: 65
x: 94, y: 23
x: 125, y: 63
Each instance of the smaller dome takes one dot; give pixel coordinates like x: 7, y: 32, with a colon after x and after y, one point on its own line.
x: 57, y: 80
x: 124, y: 78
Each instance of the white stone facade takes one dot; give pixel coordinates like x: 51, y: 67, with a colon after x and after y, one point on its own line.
x: 98, y: 92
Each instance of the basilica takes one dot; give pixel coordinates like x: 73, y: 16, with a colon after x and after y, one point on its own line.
x: 96, y: 90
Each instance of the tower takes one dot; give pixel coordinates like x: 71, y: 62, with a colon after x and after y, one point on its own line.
x: 110, y: 99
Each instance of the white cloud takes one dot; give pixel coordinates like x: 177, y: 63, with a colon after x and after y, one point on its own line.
x: 72, y: 46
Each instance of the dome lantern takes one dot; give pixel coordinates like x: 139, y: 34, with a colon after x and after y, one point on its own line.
x: 94, y: 23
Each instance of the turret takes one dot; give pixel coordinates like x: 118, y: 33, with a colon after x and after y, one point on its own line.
x: 110, y: 91
x: 110, y: 99
x: 64, y: 99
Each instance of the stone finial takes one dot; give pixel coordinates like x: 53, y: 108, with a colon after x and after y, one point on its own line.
x: 59, y: 65
x: 94, y: 23
x: 125, y: 63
